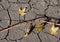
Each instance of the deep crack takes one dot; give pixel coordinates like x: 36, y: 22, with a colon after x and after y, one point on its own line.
x: 39, y: 37
x: 29, y: 5
x: 9, y: 17
x: 6, y: 36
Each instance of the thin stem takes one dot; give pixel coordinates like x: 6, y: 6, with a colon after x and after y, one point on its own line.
x: 24, y: 17
x: 29, y: 21
x: 19, y: 18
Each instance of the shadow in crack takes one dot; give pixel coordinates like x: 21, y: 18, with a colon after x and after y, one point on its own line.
x: 39, y: 37
x: 0, y: 0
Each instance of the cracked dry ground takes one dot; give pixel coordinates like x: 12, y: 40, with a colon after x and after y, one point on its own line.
x: 9, y: 16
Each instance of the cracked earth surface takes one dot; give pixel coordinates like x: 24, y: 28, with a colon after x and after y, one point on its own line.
x: 9, y: 16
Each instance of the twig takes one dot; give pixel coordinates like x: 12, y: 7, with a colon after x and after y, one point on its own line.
x: 27, y: 22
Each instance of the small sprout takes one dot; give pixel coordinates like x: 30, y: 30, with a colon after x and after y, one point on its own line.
x: 54, y: 30
x: 27, y: 32
x: 39, y: 27
x: 22, y: 11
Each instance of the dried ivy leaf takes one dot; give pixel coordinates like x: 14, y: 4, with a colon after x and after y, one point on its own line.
x: 22, y: 11
x: 54, y: 30
x: 26, y: 32
x: 39, y: 27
